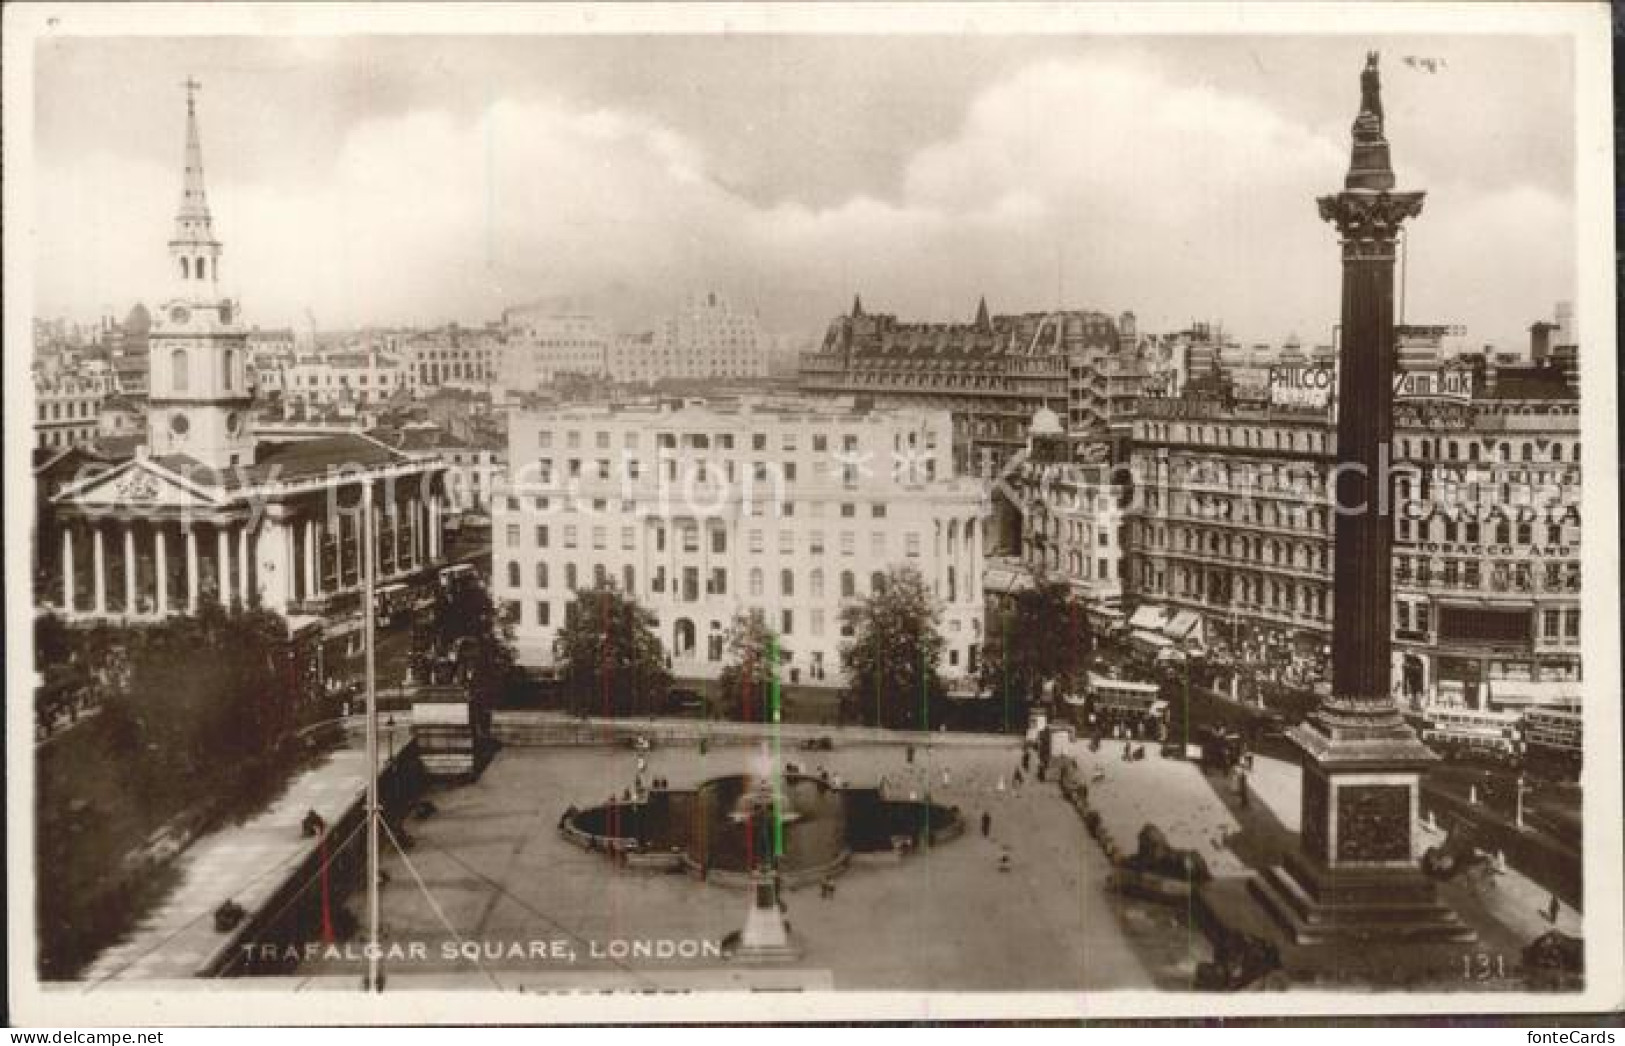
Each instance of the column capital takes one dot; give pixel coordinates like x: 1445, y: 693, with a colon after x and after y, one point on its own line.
x: 1368, y: 222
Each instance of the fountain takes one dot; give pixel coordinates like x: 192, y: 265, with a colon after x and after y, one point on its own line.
x: 728, y: 829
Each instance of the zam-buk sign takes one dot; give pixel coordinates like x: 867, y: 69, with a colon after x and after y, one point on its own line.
x: 1454, y: 384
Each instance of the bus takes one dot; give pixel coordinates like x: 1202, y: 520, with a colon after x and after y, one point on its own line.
x: 458, y: 574
x: 391, y: 602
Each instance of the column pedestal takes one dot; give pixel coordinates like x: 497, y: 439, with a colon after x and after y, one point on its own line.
x: 1356, y: 875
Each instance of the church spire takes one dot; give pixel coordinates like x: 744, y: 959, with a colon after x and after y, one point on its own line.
x: 195, y: 251
x: 982, y: 321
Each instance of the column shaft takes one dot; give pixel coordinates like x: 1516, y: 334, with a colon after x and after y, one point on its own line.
x: 67, y: 569
x: 160, y: 559
x: 191, y: 570
x: 100, y: 566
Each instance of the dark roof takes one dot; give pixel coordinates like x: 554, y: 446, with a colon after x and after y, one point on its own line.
x: 119, y: 448
x: 53, y: 458
x: 1531, y: 383
x: 121, y: 401
x: 291, y: 461
x: 417, y: 438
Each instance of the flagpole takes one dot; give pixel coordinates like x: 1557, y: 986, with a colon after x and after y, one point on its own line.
x: 373, y: 982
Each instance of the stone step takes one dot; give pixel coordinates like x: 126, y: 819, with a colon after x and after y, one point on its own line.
x: 1309, y: 923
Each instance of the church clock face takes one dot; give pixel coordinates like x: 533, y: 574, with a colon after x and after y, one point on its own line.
x: 180, y: 314
x: 179, y: 426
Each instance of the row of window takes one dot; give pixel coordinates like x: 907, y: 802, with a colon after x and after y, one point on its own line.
x: 1501, y: 577
x: 71, y: 409
x: 1469, y: 531
x: 687, y: 585
x: 180, y: 370
x: 688, y: 539
x: 1309, y: 441
x: 1469, y: 450
x: 1416, y: 619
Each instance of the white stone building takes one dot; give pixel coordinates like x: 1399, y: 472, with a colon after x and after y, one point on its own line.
x: 704, y: 512
x: 67, y: 408
x: 705, y: 338
x: 359, y: 377
x: 542, y: 345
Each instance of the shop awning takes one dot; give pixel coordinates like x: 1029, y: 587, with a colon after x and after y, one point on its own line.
x: 1150, y: 618
x: 1184, y: 626
x: 1525, y: 692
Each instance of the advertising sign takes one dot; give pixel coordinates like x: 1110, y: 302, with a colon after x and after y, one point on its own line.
x: 1454, y: 384
x: 1302, y: 386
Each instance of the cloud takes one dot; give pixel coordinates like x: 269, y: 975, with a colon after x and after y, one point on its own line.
x: 1080, y: 182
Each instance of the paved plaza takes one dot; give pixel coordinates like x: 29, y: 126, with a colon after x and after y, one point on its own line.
x: 538, y: 912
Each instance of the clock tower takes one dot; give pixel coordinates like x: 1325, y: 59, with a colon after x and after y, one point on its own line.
x: 200, y: 400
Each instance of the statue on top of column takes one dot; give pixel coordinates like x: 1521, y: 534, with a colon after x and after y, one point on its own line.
x: 1371, y: 88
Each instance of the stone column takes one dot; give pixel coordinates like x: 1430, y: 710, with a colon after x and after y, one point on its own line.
x: 311, y: 585
x: 290, y: 563
x: 160, y: 559
x: 243, y: 552
x: 129, y: 569
x: 67, y: 569
x: 977, y: 563
x: 396, y: 516
x: 372, y: 549
x: 191, y: 569
x: 434, y: 529
x: 417, y: 530
x: 223, y: 568
x: 338, y: 549
x: 100, y: 567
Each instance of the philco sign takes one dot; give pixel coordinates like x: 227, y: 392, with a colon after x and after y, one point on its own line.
x: 1301, y: 386
x: 1456, y: 385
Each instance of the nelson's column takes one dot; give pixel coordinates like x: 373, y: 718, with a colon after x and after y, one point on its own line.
x: 1356, y: 874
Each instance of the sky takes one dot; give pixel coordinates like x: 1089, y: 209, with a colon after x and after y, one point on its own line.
x: 419, y: 180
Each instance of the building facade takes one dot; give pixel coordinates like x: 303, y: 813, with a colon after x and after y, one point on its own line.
x: 67, y: 408
x: 544, y: 344
x: 705, y: 338
x: 1232, y: 518
x: 1071, y: 524
x: 706, y: 512
x: 452, y: 358
x: 992, y: 374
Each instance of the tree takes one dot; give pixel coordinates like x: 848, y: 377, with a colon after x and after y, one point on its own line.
x: 891, y: 663
x: 1039, y: 636
x: 744, y: 688
x: 207, y: 700
x: 611, y: 661
x: 464, y: 638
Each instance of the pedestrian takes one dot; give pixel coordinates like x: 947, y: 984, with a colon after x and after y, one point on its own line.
x: 987, y: 827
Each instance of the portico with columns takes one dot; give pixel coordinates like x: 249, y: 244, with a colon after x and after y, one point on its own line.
x: 143, y: 542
